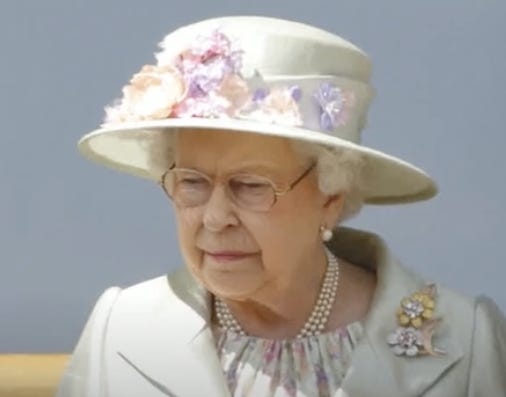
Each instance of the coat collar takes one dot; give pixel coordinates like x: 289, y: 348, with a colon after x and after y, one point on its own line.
x: 374, y: 366
x: 178, y: 322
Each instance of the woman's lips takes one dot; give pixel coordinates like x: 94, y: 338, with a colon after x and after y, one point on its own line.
x: 229, y: 255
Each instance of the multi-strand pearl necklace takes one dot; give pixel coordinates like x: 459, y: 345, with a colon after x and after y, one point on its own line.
x: 318, y: 319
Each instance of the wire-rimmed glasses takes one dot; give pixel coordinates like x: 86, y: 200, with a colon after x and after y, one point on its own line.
x: 191, y: 188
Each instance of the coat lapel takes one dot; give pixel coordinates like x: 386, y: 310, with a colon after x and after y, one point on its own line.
x: 374, y: 366
x: 168, y: 349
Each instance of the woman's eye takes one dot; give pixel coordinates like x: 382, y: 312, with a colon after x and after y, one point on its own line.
x: 249, y: 186
x: 192, y: 181
x: 254, y: 185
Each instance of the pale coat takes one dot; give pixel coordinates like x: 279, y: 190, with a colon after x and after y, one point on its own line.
x: 153, y: 339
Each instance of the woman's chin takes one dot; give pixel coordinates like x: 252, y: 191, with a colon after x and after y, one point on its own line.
x: 231, y: 284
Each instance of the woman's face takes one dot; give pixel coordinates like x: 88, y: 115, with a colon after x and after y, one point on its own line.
x: 235, y: 252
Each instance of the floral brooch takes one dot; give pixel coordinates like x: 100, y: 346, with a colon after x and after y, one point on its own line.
x: 416, y: 325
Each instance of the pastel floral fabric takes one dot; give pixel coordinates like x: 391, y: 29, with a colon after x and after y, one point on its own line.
x: 205, y: 80
x: 313, y: 366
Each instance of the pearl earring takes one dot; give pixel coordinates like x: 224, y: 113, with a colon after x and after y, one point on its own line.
x: 326, y: 234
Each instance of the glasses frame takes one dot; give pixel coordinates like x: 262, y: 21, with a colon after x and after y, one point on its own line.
x: 277, y: 192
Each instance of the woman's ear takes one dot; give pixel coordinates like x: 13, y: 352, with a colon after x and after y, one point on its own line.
x: 333, y: 209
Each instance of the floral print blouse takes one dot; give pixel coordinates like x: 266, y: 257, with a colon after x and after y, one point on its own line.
x: 312, y: 366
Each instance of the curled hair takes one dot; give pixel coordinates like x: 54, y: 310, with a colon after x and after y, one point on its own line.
x: 340, y: 171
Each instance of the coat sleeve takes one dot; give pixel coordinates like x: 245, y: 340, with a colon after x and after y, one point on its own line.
x: 81, y: 377
x: 487, y: 374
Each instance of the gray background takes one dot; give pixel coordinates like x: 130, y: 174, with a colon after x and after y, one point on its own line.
x: 69, y: 228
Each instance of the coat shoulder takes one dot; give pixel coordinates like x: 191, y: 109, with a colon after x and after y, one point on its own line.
x: 456, y: 302
x: 162, y: 294
x: 154, y: 289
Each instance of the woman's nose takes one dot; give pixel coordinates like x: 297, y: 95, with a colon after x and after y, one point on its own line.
x: 219, y: 211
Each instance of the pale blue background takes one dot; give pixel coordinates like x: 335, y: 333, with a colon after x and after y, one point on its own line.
x: 69, y: 228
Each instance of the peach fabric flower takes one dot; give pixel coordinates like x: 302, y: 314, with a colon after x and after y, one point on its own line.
x: 278, y: 107
x: 151, y: 94
x: 235, y: 90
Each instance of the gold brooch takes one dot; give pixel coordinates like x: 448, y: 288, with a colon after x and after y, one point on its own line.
x: 416, y: 325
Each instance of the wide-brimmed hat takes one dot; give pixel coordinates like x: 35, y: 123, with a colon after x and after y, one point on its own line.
x: 251, y: 75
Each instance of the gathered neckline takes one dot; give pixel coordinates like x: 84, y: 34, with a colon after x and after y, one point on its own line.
x: 313, y: 365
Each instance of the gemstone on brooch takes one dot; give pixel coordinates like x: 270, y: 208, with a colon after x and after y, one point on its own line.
x: 416, y: 325
x: 417, y: 308
x: 406, y: 341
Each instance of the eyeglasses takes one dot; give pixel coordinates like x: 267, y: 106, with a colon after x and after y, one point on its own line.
x: 190, y: 188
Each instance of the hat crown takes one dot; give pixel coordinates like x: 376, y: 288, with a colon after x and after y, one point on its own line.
x: 276, y: 47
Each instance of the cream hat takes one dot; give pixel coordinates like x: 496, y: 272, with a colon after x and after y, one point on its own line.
x: 251, y: 75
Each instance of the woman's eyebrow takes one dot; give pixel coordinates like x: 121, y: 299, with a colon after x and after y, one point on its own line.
x: 263, y: 166
x: 250, y: 167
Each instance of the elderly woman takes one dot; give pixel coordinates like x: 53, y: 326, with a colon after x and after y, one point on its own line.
x: 251, y: 126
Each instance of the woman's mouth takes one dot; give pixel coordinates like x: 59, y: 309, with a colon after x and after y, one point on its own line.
x: 229, y: 255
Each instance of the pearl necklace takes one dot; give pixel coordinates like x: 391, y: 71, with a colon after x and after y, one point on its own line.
x: 319, y: 316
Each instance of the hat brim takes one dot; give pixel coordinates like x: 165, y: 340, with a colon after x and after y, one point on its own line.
x: 135, y: 148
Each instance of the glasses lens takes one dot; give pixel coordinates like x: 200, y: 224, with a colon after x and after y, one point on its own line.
x: 252, y: 192
x: 187, y: 188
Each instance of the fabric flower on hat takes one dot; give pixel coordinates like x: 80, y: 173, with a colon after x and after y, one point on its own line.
x: 278, y: 106
x: 151, y: 94
x: 211, y: 72
x: 218, y: 45
x: 210, y: 106
x: 230, y: 95
x: 205, y: 65
x: 236, y: 90
x: 334, y: 103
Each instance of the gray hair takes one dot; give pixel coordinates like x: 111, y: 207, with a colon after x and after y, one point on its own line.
x: 340, y: 171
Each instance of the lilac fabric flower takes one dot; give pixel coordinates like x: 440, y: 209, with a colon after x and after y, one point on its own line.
x: 334, y: 105
x: 210, y: 106
x: 211, y: 70
x: 260, y: 94
x: 217, y: 44
x: 205, y: 65
x: 296, y: 93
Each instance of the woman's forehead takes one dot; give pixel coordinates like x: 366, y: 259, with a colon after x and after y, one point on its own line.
x: 227, y: 149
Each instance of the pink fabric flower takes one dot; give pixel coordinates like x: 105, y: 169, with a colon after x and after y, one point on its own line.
x: 151, y: 94
x: 209, y: 45
x: 205, y: 65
